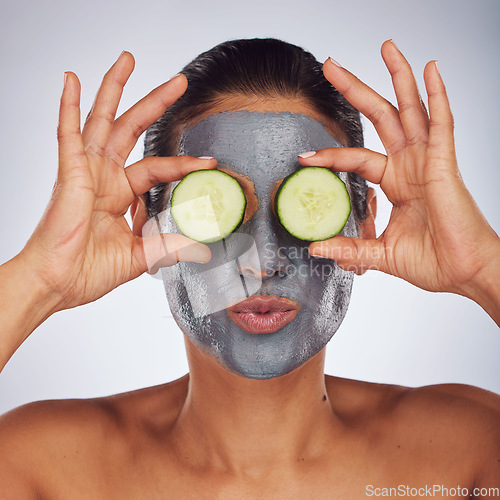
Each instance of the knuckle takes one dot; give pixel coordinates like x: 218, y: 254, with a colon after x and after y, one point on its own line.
x: 60, y: 133
x: 381, y: 111
x: 112, y: 79
x: 348, y: 89
x: 443, y: 123
x: 416, y: 139
x: 409, y: 106
x: 100, y: 113
x: 64, y: 132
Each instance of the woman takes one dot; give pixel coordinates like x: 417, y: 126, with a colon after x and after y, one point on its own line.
x: 255, y: 417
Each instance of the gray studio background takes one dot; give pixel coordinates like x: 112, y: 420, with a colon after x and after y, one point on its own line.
x: 394, y: 332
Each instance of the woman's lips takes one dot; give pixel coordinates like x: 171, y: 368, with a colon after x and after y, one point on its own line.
x: 263, y: 314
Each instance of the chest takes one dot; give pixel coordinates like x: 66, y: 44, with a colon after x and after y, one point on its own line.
x: 389, y: 474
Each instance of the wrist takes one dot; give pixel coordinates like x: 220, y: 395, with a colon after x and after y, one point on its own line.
x: 25, y: 303
x: 484, y: 288
x: 37, y: 291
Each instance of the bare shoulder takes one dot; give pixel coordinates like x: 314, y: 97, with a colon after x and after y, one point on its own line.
x: 466, y: 412
x: 37, y: 440
x: 439, y: 424
x: 463, y: 421
x: 457, y: 404
x: 43, y: 444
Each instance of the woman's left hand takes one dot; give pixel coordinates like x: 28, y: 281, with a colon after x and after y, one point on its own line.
x: 436, y: 238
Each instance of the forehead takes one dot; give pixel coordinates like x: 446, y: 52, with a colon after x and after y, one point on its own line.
x: 251, y: 141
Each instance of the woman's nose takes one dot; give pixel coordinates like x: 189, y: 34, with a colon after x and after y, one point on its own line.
x: 273, y: 260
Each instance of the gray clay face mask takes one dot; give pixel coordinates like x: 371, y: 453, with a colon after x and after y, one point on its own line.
x: 263, y: 148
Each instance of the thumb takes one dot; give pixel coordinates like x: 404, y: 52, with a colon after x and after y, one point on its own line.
x: 351, y: 254
x: 164, y: 250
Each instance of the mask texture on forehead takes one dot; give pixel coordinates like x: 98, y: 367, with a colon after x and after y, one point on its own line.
x: 264, y: 136
x: 262, y: 147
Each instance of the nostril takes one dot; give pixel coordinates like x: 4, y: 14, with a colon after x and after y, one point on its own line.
x: 282, y: 272
x: 275, y: 271
x: 265, y: 273
x: 252, y: 272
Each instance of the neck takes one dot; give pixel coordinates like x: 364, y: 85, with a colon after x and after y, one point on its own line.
x: 251, y: 426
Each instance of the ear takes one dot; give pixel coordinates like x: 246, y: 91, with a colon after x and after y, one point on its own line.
x: 367, y: 227
x: 139, y: 216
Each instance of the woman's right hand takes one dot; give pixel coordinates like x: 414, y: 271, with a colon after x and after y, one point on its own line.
x: 83, y: 247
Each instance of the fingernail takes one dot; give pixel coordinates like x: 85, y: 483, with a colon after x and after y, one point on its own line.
x: 206, y: 157
x: 65, y: 78
x: 153, y: 270
x: 335, y: 62
x: 437, y: 66
x: 308, y: 154
x: 394, y: 43
x: 175, y: 76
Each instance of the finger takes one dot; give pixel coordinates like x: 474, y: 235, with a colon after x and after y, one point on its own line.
x: 441, y: 140
x: 101, y: 118
x: 412, y: 113
x: 368, y: 164
x: 379, y: 111
x: 152, y: 170
x: 71, y: 152
x: 129, y: 127
x: 351, y: 254
x: 163, y: 250
x: 68, y: 214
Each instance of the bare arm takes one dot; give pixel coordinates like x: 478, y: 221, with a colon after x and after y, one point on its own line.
x: 24, y: 304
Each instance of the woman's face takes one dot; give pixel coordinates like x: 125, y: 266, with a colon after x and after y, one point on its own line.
x: 262, y: 306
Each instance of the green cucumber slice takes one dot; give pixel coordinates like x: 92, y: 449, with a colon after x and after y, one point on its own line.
x: 313, y: 204
x: 208, y: 205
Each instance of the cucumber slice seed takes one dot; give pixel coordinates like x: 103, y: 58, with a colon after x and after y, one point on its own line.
x: 313, y: 204
x: 208, y: 205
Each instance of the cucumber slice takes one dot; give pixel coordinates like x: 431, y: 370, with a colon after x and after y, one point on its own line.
x: 208, y: 205
x: 313, y: 204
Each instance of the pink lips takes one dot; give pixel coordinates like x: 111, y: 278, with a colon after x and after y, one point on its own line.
x: 263, y: 314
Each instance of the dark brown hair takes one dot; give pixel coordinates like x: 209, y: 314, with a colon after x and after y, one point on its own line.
x: 263, y: 68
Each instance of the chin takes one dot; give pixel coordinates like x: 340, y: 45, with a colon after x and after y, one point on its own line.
x: 264, y: 356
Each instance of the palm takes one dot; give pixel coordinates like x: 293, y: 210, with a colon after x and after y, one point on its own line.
x: 83, y: 245
x: 436, y: 235
x: 101, y: 251
x: 431, y: 228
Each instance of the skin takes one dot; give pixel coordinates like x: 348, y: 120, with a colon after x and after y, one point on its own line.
x: 213, y: 434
